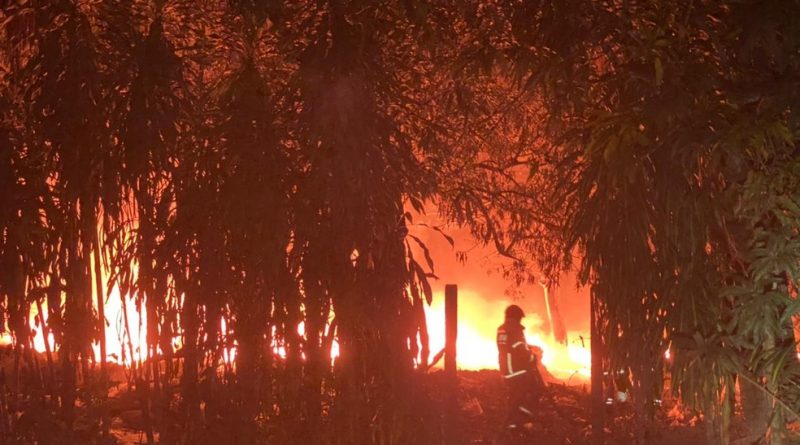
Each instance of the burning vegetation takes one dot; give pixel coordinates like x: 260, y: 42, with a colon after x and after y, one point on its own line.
x: 230, y: 221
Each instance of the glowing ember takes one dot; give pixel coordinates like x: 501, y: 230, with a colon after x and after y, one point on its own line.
x: 478, y: 320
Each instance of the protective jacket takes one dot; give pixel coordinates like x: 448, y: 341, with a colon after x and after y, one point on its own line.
x: 514, y: 355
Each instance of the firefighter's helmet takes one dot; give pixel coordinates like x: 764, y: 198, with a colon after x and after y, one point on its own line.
x: 514, y: 312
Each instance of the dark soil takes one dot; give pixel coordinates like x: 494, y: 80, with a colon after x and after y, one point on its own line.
x: 562, y: 417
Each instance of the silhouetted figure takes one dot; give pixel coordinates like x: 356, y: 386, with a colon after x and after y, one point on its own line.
x: 518, y: 366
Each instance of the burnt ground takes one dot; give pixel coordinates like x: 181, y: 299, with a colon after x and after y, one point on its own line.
x: 563, y: 416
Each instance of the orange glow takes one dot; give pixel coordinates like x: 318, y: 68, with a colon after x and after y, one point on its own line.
x: 117, y: 348
x: 478, y: 320
x: 477, y: 324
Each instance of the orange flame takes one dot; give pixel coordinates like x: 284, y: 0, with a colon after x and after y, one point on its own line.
x: 477, y: 323
x: 478, y: 320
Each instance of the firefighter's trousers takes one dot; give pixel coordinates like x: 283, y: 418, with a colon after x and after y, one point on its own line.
x: 524, y: 392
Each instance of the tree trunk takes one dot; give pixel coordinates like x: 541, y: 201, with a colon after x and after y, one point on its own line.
x: 101, y: 326
x: 718, y: 418
x: 597, y: 399
x: 48, y: 352
x: 756, y: 409
x: 554, y: 318
x: 190, y: 402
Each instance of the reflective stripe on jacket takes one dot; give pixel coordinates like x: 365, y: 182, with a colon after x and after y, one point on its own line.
x: 514, y: 355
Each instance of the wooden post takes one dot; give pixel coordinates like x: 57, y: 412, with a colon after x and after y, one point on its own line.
x: 450, y: 329
x: 451, y: 377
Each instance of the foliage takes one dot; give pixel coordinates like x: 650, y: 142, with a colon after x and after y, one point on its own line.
x: 257, y: 163
x: 674, y: 131
x: 239, y: 168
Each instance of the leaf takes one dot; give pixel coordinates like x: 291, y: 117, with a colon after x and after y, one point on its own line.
x: 423, y: 280
x: 439, y: 229
x: 426, y: 287
x: 416, y: 204
x: 425, y: 251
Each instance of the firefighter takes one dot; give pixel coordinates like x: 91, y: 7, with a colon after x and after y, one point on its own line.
x: 519, y: 368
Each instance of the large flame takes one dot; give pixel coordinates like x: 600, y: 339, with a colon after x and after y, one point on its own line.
x: 478, y: 320
x: 120, y: 347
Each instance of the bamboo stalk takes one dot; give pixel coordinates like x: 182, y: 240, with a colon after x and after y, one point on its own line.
x: 129, y: 342
x: 101, y: 325
x: 47, y: 349
x: 31, y: 355
x: 597, y: 407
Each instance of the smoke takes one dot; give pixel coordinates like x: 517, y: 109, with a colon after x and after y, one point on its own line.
x: 482, y: 275
x: 484, y: 293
